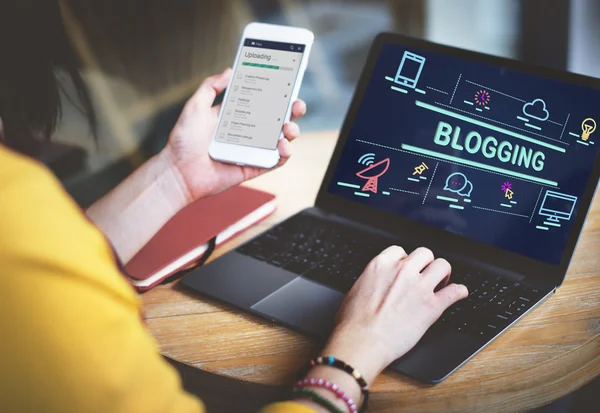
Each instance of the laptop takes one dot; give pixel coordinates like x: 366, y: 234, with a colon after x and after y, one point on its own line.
x: 491, y: 163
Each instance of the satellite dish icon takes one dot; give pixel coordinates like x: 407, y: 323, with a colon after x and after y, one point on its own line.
x: 372, y: 173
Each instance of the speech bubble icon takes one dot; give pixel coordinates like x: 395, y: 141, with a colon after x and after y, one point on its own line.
x: 455, y: 182
x: 459, y: 184
x: 466, y: 191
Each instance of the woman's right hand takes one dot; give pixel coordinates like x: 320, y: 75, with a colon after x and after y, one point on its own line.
x: 390, y: 307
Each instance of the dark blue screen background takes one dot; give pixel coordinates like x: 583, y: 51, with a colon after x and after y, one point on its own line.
x: 387, y: 119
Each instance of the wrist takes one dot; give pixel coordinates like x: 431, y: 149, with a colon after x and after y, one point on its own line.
x: 360, y: 350
x: 171, y: 168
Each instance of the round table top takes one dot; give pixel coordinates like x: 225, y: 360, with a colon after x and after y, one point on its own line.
x: 550, y: 353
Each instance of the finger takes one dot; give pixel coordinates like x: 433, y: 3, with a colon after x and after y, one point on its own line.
x: 395, y: 251
x: 450, y: 294
x: 386, y: 265
x: 437, y: 272
x: 285, y: 150
x: 298, y: 109
x: 211, y: 87
x: 419, y: 259
x: 291, y: 131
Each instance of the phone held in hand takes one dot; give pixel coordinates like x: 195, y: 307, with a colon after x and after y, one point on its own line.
x: 267, y: 74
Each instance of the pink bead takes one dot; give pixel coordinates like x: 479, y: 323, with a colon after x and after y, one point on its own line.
x: 331, y: 387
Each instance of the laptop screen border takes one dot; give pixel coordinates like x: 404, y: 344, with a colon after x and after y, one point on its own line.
x: 434, y: 237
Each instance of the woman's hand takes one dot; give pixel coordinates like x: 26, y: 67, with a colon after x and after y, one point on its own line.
x: 187, y: 149
x: 384, y: 315
x: 390, y: 307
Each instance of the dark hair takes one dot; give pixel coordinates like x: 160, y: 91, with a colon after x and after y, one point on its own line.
x: 34, y: 47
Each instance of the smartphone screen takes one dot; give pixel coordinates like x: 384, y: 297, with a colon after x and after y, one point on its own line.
x: 260, y: 93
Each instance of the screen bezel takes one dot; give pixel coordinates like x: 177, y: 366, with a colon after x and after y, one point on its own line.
x: 434, y: 237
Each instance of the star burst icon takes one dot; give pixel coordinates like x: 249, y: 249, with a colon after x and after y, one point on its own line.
x: 506, y: 186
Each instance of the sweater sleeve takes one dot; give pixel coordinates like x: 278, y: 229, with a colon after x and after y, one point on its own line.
x: 72, y: 335
x: 287, y: 407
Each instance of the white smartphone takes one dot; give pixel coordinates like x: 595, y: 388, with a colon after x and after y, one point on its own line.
x: 267, y: 73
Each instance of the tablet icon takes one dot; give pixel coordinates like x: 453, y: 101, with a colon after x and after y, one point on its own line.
x: 410, y: 69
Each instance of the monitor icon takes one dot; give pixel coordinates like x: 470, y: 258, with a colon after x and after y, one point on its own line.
x: 557, y: 206
x: 409, y: 70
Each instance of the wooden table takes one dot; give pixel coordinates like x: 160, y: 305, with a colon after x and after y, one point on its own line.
x: 552, y: 352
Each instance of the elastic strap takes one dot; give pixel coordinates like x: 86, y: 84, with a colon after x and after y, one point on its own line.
x: 211, y: 248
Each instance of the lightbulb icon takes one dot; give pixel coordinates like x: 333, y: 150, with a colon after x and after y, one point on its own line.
x: 588, y: 127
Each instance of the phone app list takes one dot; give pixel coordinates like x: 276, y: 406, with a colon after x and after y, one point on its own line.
x: 260, y: 93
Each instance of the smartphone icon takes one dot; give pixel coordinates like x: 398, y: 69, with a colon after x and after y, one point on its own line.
x: 410, y: 69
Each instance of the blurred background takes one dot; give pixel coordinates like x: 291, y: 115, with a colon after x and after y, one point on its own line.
x: 143, y: 58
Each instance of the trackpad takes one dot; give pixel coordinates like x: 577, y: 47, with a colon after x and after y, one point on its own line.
x: 304, y: 305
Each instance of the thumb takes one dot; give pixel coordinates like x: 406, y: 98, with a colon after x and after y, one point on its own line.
x: 211, y: 87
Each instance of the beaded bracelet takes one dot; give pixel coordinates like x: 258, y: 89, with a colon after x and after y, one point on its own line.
x: 334, y: 388
x: 317, y: 398
x: 339, y: 364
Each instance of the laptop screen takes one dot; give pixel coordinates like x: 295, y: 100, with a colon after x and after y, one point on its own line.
x: 492, y: 154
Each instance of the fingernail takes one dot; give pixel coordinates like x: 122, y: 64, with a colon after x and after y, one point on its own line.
x: 465, y: 290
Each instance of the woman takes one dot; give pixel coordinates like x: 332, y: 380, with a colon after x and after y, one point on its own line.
x: 71, y: 332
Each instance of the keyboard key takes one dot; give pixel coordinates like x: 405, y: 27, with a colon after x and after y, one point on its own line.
x: 259, y: 256
x: 502, y: 320
x: 488, y: 330
x: 465, y: 326
x: 299, y: 266
x: 277, y: 261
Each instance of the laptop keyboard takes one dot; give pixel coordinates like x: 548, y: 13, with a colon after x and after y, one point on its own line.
x: 493, y: 303
x: 320, y: 250
x: 336, y: 255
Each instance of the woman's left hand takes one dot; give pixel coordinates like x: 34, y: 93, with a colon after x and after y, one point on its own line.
x: 187, y: 149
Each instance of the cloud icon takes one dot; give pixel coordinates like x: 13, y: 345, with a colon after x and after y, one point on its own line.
x: 536, y: 110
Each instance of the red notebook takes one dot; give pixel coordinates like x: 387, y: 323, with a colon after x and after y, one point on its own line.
x: 185, y: 238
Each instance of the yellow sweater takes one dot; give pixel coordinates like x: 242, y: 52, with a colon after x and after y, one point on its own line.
x: 71, y: 336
